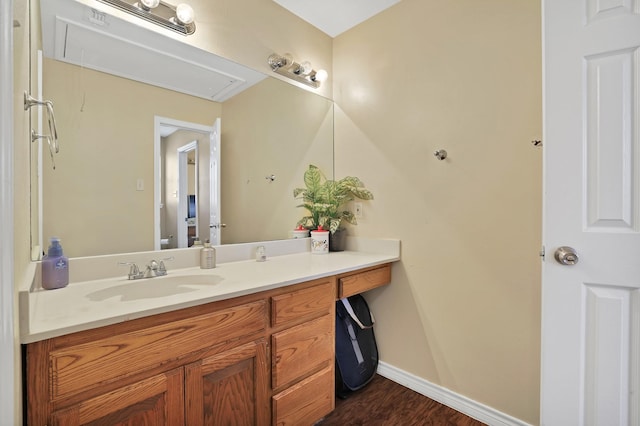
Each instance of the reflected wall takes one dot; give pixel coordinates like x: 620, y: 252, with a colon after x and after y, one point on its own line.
x: 271, y: 129
x: 92, y: 199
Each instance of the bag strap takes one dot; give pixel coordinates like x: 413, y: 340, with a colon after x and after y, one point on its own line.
x: 353, y: 316
x: 354, y: 342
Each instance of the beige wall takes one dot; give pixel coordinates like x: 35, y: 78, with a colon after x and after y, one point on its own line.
x: 124, y: 145
x: 463, y: 310
x: 106, y: 128
x: 295, y: 129
x: 248, y: 31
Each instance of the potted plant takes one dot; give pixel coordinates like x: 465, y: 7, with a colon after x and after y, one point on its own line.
x: 326, y: 200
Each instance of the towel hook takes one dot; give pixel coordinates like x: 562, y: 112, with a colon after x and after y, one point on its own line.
x: 35, y: 136
x: 440, y: 154
x: 52, y: 138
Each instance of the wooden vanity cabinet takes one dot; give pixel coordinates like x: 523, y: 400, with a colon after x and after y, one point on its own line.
x: 265, y: 358
x: 153, y: 370
x: 226, y: 388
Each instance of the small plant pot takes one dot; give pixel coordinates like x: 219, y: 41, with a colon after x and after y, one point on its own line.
x: 300, y: 233
x: 338, y: 240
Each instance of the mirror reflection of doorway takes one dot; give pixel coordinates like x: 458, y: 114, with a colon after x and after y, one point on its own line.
x: 186, y: 190
x: 187, y: 193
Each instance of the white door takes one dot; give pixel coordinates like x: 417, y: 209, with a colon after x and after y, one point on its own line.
x: 215, y: 226
x: 591, y: 310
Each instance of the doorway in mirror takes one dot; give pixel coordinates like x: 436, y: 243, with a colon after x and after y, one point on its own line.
x: 187, y: 183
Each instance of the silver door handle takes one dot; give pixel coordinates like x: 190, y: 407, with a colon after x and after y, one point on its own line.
x: 566, y: 255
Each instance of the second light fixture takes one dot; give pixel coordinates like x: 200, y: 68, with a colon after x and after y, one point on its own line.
x: 302, y: 72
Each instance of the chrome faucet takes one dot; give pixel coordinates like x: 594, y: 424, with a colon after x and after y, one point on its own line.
x: 153, y: 269
x: 134, y: 271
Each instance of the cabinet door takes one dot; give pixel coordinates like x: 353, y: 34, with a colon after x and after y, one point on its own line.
x: 157, y: 400
x: 229, y: 388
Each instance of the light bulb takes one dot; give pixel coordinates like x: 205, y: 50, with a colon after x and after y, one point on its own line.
x: 184, y: 14
x: 321, y: 75
x: 276, y: 61
x: 287, y: 59
x: 305, y: 68
x: 149, y: 4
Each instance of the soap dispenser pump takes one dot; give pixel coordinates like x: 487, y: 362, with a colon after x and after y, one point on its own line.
x: 55, y: 267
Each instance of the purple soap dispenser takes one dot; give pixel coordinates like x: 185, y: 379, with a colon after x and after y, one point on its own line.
x: 55, y: 267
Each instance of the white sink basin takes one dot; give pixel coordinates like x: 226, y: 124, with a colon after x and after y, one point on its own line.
x: 149, y: 288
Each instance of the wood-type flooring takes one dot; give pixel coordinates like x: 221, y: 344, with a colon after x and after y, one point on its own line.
x: 385, y: 403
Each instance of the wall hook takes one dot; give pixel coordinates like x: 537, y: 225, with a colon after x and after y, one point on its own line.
x: 30, y: 101
x: 536, y: 143
x: 35, y: 136
x: 440, y: 154
x: 270, y: 178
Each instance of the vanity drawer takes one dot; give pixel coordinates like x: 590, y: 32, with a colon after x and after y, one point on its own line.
x: 301, y: 349
x: 305, y: 402
x: 305, y: 303
x: 85, y: 366
x: 363, y: 281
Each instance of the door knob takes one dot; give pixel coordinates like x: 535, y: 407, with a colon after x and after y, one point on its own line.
x: 566, y: 255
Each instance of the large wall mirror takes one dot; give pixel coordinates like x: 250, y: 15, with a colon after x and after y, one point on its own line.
x: 100, y: 198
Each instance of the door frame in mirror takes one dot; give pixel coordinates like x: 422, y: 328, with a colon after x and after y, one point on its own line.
x: 157, y: 163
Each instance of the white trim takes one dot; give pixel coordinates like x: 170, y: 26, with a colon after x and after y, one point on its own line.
x: 215, y: 157
x: 449, y: 398
x: 7, y: 329
x: 38, y: 246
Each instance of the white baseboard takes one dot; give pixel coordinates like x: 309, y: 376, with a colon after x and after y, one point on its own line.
x: 449, y: 398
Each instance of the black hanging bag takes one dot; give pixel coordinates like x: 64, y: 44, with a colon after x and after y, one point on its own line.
x: 356, y: 350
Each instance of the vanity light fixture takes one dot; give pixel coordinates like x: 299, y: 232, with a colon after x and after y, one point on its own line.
x: 301, y: 72
x: 177, y: 18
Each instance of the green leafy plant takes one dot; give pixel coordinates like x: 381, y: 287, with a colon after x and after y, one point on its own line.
x: 326, y: 199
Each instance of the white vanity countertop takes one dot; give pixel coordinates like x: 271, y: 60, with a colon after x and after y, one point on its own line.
x: 90, y: 304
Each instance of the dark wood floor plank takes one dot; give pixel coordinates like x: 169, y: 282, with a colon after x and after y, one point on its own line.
x: 386, y: 403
